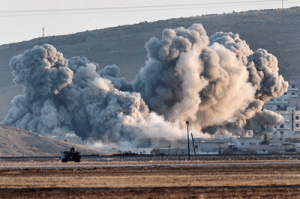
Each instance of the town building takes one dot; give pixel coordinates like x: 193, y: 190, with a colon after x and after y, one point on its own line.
x: 288, y: 106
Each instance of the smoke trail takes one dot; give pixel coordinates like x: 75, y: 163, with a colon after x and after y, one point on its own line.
x: 216, y: 83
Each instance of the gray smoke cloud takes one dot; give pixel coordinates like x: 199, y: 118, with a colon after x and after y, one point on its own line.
x: 212, y: 82
x: 70, y: 96
x: 216, y: 83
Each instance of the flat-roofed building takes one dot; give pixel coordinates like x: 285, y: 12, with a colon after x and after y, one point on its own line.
x: 287, y: 105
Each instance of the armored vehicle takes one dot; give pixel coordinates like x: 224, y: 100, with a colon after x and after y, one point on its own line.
x: 71, y: 155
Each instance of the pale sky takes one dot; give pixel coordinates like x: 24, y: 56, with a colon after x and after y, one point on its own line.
x: 24, y: 19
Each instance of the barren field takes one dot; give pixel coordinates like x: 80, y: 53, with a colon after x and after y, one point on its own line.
x: 272, y: 181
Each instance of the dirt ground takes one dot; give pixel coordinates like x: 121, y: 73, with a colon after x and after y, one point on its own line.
x: 273, y: 181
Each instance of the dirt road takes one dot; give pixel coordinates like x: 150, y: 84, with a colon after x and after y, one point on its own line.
x: 268, y: 181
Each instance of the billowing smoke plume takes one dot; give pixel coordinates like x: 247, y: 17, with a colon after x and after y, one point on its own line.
x: 71, y: 97
x: 216, y: 83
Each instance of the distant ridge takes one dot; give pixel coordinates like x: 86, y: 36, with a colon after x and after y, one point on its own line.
x: 17, y: 142
x: 277, y: 31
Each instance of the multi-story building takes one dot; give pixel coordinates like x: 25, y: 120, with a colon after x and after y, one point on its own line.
x: 287, y: 105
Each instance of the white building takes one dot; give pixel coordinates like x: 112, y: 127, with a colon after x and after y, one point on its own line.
x: 287, y: 105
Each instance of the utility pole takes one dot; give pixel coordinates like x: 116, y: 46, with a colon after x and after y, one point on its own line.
x: 282, y: 4
x: 43, y: 31
x: 188, y: 139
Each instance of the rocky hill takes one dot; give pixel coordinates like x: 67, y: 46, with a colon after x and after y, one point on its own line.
x: 277, y: 31
x: 17, y: 142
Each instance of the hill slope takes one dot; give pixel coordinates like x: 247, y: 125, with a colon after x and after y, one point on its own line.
x: 277, y: 31
x: 18, y: 142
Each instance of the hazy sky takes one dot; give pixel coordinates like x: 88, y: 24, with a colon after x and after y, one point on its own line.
x: 24, y: 19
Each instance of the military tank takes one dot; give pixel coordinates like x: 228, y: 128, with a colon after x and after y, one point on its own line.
x: 71, y: 155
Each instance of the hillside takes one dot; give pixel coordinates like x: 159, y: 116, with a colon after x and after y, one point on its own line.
x: 277, y: 31
x: 18, y: 142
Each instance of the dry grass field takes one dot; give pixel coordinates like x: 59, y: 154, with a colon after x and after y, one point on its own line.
x: 272, y: 181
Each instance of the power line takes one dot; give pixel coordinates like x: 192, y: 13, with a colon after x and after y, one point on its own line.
x: 124, y: 9
x: 137, y: 7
